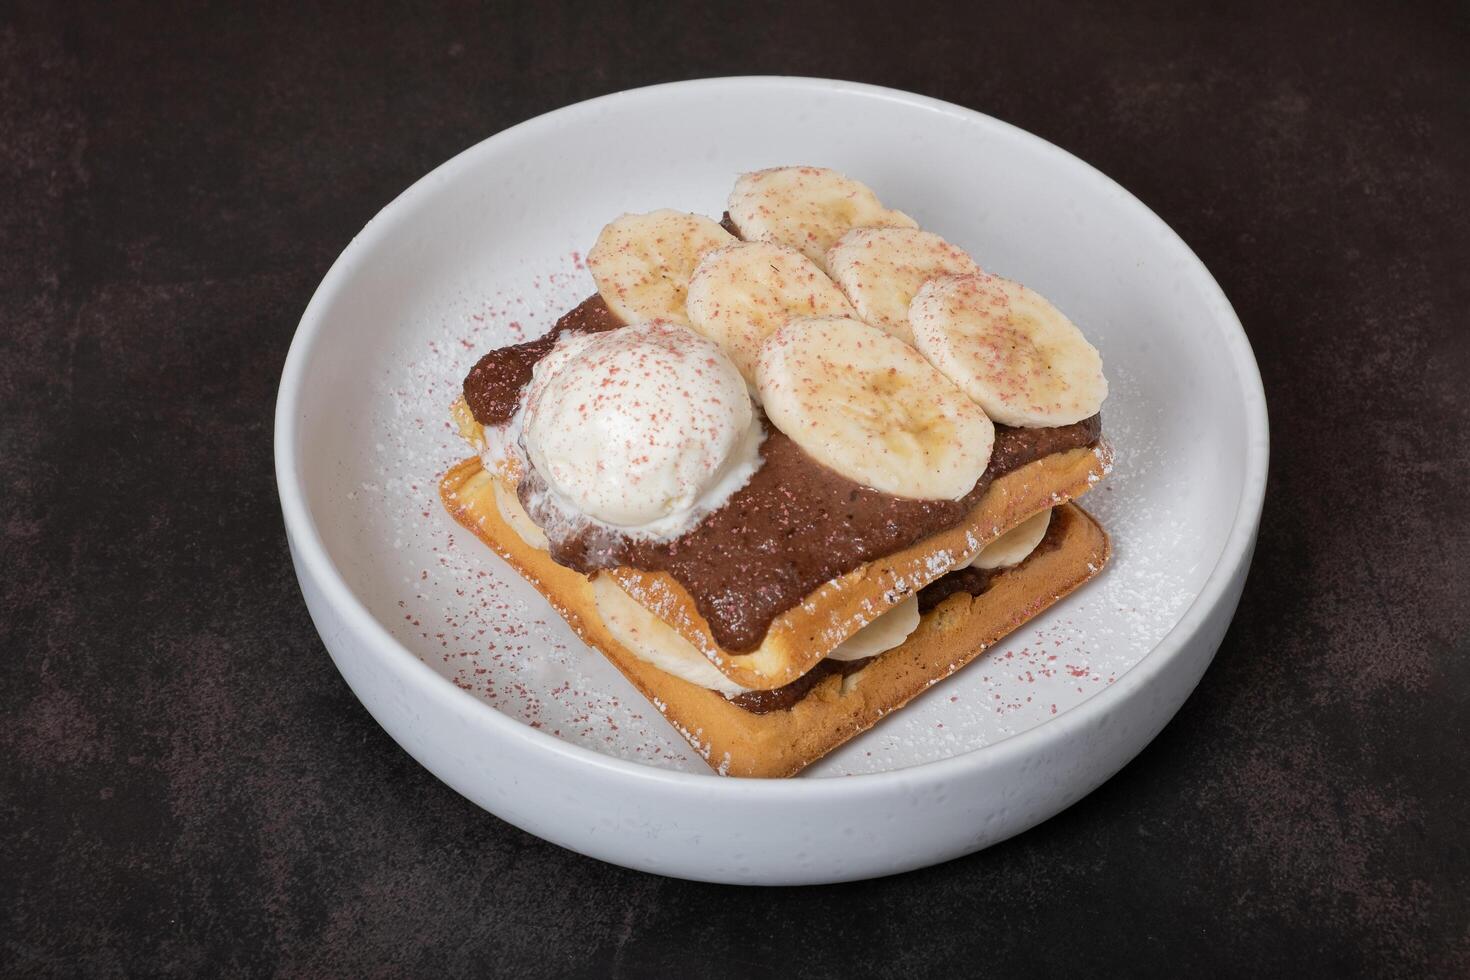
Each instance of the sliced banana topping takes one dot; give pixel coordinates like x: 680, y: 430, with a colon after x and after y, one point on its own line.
x: 1015, y: 545
x: 642, y: 262
x: 808, y: 208
x: 867, y: 405
x: 1014, y: 353
x: 882, y: 269
x: 741, y: 293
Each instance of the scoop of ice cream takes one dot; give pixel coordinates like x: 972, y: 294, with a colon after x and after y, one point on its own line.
x: 639, y: 426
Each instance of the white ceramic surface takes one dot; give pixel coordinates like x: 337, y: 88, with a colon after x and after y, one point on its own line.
x: 472, y: 673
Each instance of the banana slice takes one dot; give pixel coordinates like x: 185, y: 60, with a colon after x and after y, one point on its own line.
x: 882, y: 634
x: 741, y: 293
x: 1012, y: 547
x: 881, y: 269
x: 515, y: 515
x: 869, y: 406
x: 642, y: 262
x: 654, y: 641
x: 808, y: 208
x: 1009, y: 349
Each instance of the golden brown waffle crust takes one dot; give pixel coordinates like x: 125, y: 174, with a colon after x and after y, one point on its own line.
x: 801, y: 637
x: 737, y: 742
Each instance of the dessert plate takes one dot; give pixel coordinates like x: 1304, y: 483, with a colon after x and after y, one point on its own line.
x: 471, y: 672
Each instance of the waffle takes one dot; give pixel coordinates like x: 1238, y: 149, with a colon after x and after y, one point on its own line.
x: 737, y: 741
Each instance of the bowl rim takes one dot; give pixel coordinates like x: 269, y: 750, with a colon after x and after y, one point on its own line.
x: 311, y: 551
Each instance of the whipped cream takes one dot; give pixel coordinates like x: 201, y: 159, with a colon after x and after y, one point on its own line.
x: 643, y: 429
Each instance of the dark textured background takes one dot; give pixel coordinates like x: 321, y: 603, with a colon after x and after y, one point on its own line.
x: 187, y: 786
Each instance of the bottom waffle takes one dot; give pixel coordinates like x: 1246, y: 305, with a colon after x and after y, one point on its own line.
x: 739, y: 742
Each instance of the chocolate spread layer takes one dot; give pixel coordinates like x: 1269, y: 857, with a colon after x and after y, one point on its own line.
x: 970, y: 580
x: 794, y: 526
x: 492, y: 389
x: 781, y: 698
x: 974, y: 581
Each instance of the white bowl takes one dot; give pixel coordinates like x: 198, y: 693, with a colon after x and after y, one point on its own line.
x: 474, y: 675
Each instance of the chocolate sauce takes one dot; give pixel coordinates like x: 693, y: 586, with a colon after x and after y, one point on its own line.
x: 781, y: 698
x: 794, y: 526
x: 973, y: 581
x: 492, y: 389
